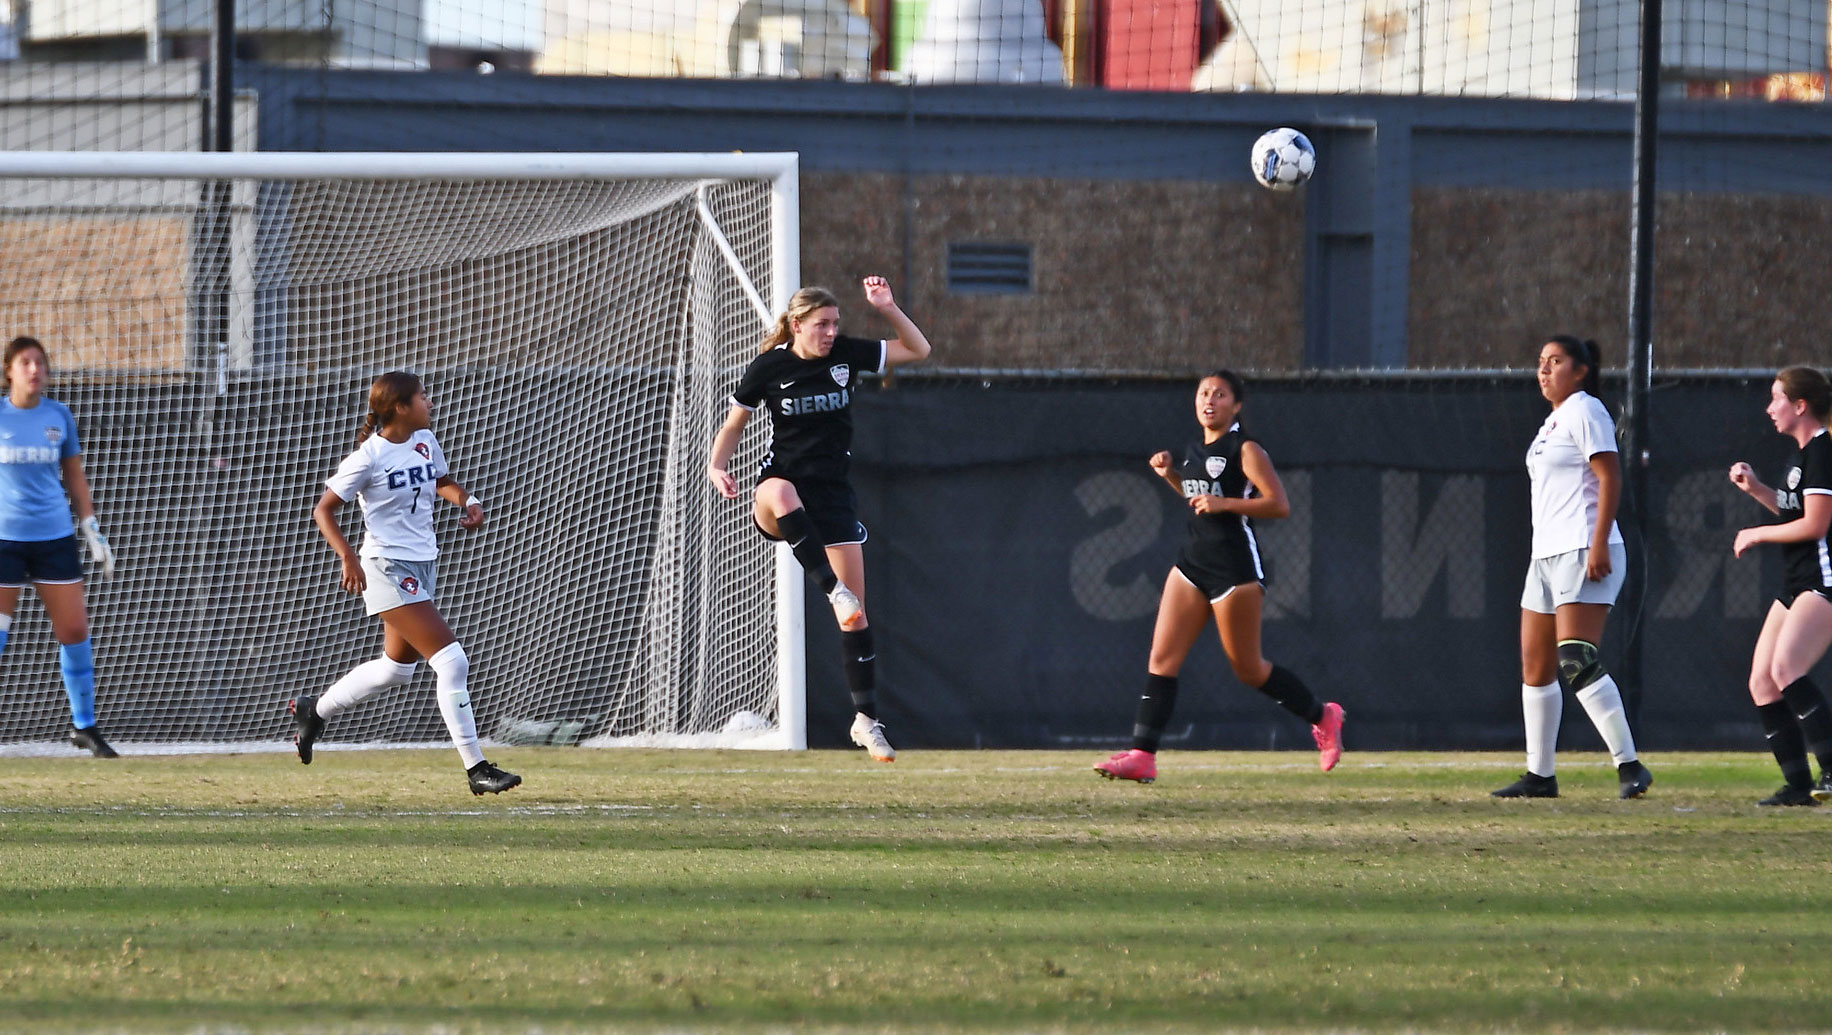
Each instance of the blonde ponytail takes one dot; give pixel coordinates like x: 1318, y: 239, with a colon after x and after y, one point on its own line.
x: 802, y: 304
x: 777, y: 334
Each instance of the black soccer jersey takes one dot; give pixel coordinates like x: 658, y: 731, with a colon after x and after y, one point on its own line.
x: 810, y: 404
x: 1809, y: 564
x: 1222, y: 542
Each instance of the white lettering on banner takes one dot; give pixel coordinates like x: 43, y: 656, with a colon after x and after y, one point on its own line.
x: 1136, y: 497
x: 1448, y: 540
x: 1702, y: 515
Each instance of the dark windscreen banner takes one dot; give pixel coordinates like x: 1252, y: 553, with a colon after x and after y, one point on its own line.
x: 1019, y: 544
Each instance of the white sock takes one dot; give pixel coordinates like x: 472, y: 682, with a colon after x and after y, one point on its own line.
x: 1543, y: 706
x: 1603, y: 702
x: 454, y: 671
x: 362, y: 681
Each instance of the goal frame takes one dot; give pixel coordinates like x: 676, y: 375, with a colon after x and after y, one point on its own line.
x: 779, y: 169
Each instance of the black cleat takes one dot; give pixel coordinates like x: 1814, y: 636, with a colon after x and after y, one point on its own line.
x: 1530, y: 785
x: 1634, y: 779
x: 90, y: 740
x: 1790, y: 795
x: 307, y: 724
x: 486, y: 777
x: 1822, y: 790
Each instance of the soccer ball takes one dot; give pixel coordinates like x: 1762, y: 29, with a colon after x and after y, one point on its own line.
x: 1283, y: 159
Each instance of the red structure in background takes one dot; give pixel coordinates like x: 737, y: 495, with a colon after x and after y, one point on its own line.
x: 1147, y: 44
x: 1119, y: 44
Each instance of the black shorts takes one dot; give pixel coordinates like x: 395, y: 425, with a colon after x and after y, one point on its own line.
x: 47, y: 560
x: 1792, y: 593
x: 1214, y: 580
x: 829, y: 505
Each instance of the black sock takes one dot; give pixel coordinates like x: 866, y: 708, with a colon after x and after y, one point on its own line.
x: 797, y: 529
x: 861, y: 663
x: 1786, y: 741
x: 1292, y: 695
x: 1809, y: 707
x: 1155, y: 706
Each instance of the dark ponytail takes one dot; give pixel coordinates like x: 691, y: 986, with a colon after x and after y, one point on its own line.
x: 1585, y: 351
x: 389, y: 393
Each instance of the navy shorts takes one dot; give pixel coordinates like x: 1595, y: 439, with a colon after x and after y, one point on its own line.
x: 830, y: 506
x: 47, y: 560
x: 1211, y: 584
x: 1216, y: 573
x: 1792, y: 593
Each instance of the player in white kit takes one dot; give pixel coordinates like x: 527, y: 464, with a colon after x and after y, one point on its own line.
x: 396, y: 473
x: 1577, y: 570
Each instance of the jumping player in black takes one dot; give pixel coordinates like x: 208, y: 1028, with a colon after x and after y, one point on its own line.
x: 806, y: 378
x: 1228, y: 480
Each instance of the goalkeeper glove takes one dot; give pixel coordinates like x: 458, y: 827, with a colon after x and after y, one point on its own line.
x: 99, y: 550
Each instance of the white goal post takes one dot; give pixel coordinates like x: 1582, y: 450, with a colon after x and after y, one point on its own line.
x: 214, y: 321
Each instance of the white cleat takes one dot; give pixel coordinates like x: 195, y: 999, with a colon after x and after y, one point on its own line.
x: 846, y: 608
x: 869, y: 734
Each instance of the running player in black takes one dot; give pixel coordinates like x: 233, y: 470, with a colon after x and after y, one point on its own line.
x: 1228, y: 480
x: 1798, y: 628
x: 806, y: 378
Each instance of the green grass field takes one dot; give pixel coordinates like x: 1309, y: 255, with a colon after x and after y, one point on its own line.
x: 953, y: 891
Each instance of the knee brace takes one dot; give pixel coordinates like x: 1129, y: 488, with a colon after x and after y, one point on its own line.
x: 1578, y: 666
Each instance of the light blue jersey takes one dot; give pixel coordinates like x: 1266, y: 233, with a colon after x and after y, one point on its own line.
x: 33, y: 445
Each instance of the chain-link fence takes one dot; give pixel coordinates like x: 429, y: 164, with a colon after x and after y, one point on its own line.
x: 1064, y: 183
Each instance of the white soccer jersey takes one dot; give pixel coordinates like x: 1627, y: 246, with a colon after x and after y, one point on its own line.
x: 396, y: 483
x: 1564, y: 486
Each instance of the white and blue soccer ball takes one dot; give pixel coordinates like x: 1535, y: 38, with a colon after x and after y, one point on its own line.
x: 1283, y: 159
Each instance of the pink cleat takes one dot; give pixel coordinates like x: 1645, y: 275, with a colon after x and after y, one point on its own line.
x: 1131, y: 764
x: 1329, y: 736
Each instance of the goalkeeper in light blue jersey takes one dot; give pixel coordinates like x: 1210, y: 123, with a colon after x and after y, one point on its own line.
x: 41, y: 461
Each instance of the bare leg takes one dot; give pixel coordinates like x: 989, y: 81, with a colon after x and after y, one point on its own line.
x: 1237, y: 619
x: 1182, y: 612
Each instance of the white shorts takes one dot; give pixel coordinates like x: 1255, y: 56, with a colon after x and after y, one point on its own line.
x: 1555, y: 581
x: 393, y: 583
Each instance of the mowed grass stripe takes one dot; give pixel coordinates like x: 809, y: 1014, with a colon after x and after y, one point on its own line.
x: 954, y: 891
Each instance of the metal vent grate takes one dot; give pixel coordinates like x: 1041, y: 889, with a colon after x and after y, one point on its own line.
x: 989, y: 269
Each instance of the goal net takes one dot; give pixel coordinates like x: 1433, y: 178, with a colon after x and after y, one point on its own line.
x: 214, y: 322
